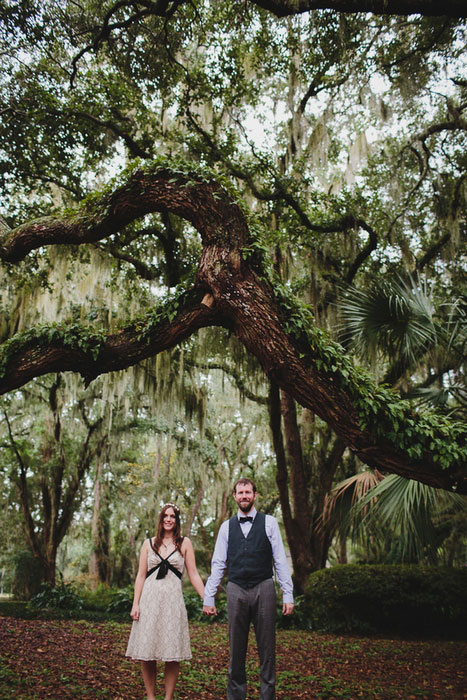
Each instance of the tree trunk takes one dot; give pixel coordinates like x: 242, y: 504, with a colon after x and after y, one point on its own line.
x: 342, y: 551
x: 99, y: 561
x: 195, y: 509
x: 309, y: 545
x: 49, y: 564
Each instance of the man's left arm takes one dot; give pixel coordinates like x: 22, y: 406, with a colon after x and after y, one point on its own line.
x: 281, y: 564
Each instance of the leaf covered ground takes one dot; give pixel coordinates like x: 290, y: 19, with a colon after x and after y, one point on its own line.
x: 76, y: 659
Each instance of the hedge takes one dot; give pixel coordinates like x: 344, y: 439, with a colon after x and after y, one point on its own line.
x: 403, y: 599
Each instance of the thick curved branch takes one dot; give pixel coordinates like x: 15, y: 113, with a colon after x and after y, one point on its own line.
x: 146, y: 272
x: 454, y: 125
x: 365, y: 252
x: 433, y: 252
x: 61, y: 350
x: 203, y: 203
x: 231, y: 293
x: 429, y: 8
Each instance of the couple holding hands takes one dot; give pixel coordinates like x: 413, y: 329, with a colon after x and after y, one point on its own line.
x: 250, y: 544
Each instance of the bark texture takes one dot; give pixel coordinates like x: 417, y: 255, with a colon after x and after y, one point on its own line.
x: 428, y: 8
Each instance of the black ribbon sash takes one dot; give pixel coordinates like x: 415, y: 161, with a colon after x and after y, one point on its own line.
x: 164, y: 565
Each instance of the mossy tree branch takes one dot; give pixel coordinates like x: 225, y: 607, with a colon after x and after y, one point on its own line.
x: 428, y: 8
x: 234, y: 288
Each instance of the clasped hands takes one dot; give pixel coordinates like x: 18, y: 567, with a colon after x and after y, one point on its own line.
x: 209, y: 610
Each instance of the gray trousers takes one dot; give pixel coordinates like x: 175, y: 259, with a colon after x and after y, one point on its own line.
x: 257, y: 605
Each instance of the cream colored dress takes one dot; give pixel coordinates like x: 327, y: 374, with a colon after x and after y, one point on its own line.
x: 161, y: 633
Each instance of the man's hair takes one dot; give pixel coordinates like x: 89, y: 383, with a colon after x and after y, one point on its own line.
x: 244, y: 480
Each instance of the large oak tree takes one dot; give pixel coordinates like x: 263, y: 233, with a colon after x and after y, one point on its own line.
x: 184, y: 78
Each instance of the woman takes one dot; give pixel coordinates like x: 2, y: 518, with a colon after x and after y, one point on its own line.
x: 160, y: 623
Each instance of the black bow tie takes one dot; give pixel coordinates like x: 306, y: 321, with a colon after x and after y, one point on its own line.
x: 246, y: 519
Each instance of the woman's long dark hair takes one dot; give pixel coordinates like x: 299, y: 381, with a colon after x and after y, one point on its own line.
x: 177, y: 535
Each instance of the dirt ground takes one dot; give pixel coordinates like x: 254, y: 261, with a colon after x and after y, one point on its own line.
x: 56, y: 659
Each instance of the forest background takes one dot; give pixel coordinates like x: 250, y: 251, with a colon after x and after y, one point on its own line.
x: 232, y: 243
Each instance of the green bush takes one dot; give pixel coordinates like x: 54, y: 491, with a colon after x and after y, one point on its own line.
x: 27, y: 574
x: 101, y: 598
x: 122, y: 599
x: 194, y: 608
x: 61, y: 597
x: 406, y: 599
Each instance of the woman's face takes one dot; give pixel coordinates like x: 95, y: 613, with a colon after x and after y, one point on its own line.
x: 169, y: 520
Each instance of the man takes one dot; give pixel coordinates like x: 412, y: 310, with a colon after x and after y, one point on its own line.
x: 251, y: 544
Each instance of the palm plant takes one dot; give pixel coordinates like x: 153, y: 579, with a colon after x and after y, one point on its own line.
x: 393, y: 520
x: 415, y: 515
x: 396, y: 328
x: 394, y: 325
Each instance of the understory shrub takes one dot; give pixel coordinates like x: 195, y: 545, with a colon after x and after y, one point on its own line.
x: 194, y: 607
x: 122, y: 600
x: 300, y: 618
x: 406, y: 599
x: 62, y: 597
x: 101, y: 598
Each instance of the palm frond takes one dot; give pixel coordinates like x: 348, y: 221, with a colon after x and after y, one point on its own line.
x: 406, y: 510
x: 392, y: 319
x: 338, y: 507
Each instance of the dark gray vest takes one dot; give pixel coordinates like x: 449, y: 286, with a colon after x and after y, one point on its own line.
x: 249, y: 558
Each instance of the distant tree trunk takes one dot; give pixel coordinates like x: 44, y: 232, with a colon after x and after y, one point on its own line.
x: 202, y: 531
x: 297, y: 538
x: 59, y: 487
x: 99, y: 561
x: 195, y: 509
x: 342, y: 551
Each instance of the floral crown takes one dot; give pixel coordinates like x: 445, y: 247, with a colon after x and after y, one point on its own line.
x: 171, y: 505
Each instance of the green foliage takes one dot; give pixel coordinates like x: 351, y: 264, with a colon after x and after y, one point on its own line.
x: 62, y: 597
x: 383, y: 598
x: 300, y: 619
x: 101, y: 598
x: 315, y: 86
x: 121, y: 600
x: 380, y: 408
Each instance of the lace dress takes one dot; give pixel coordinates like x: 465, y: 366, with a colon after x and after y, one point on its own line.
x: 161, y: 633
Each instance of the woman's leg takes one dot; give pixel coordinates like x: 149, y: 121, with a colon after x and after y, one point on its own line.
x: 170, y: 678
x: 149, y: 677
